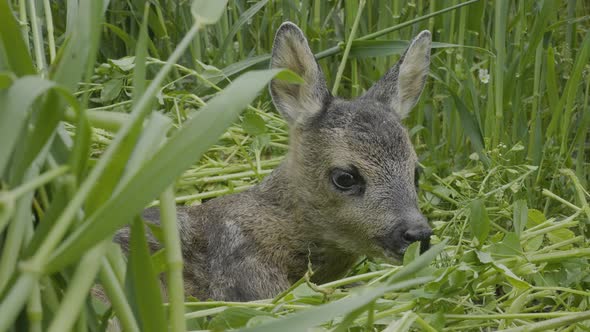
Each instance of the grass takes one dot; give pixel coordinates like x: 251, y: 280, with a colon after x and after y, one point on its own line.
x: 501, y: 130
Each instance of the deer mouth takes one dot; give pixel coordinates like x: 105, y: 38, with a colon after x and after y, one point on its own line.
x: 393, y: 248
x: 393, y: 257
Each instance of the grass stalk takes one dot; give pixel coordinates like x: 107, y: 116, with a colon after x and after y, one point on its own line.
x: 15, y: 240
x: 50, y: 30
x: 541, y: 103
x: 78, y: 289
x: 559, y: 255
x: 37, y: 43
x: 116, y: 295
x: 35, y: 310
x: 336, y: 49
x: 500, y: 19
x: 568, y: 319
x: 212, y: 193
x: 535, y: 315
x: 39, y: 181
x: 580, y: 194
x: 138, y: 113
x: 174, y: 260
x: 23, y: 22
x: 549, y: 194
x: 347, y: 48
x: 16, y: 298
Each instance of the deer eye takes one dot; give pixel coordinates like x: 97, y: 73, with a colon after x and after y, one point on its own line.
x: 345, y: 180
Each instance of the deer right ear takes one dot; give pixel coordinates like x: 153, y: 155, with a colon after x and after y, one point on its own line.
x: 297, y: 101
x: 402, y: 85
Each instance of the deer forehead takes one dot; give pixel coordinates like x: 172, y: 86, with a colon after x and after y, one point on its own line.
x: 367, y: 135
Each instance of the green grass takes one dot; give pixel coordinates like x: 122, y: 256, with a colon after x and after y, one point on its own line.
x: 502, y: 131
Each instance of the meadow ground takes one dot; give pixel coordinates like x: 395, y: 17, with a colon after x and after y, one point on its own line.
x: 502, y: 132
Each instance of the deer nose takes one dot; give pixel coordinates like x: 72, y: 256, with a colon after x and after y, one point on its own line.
x: 421, y: 233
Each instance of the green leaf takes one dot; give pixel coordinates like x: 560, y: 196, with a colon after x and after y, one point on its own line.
x: 207, y: 11
x: 233, y: 318
x: 484, y: 257
x: 6, y: 79
x: 76, y: 56
x: 377, y: 48
x: 260, y: 320
x: 512, y: 278
x: 16, y: 53
x: 412, y: 252
x: 119, y: 168
x: 534, y: 218
x: 253, y: 124
x: 144, y: 281
x: 520, y: 216
x: 125, y: 64
x: 107, y: 120
x: 111, y: 90
x: 122, y: 34
x: 403, y: 324
x: 509, y: 246
x: 159, y: 261
x: 479, y: 221
x: 244, y: 18
x: 305, y: 320
x: 16, y: 105
x: 184, y: 147
x: 380, y: 48
x: 471, y: 128
x: 80, y: 152
x: 418, y: 263
x: 560, y: 235
x: 290, y: 76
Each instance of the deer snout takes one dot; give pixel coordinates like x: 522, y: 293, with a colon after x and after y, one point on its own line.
x: 407, y: 229
x: 418, y: 230
x: 417, y: 234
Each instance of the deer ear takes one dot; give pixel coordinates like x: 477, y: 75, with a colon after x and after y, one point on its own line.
x: 297, y: 101
x: 402, y: 85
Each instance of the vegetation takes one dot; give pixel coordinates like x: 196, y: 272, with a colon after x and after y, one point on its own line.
x: 104, y: 106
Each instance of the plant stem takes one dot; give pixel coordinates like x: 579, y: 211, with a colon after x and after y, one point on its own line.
x: 210, y: 194
x: 501, y: 9
x: 14, y: 299
x: 336, y: 49
x: 35, y: 310
x: 173, y: 260
x: 39, y: 181
x: 116, y: 295
x: 49, y: 22
x: 347, y: 48
x: 559, y: 255
x: 78, y: 289
x: 548, y: 193
x: 37, y: 43
x: 565, y: 320
x: 22, y: 9
x: 138, y: 113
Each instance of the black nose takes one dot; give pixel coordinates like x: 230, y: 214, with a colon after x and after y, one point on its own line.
x: 417, y: 234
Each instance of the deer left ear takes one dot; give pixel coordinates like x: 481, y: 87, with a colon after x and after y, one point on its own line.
x: 297, y: 102
x: 402, y: 85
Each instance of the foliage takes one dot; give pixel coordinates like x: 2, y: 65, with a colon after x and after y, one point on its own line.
x: 97, y: 99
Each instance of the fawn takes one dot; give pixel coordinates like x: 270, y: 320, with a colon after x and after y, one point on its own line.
x: 346, y: 188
